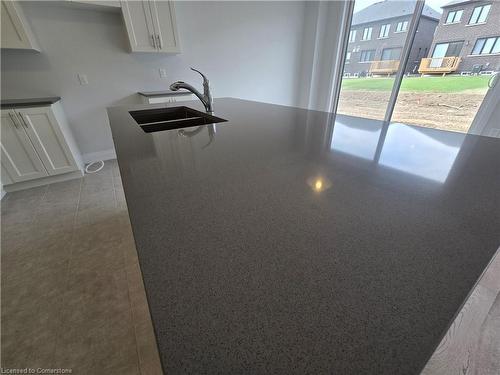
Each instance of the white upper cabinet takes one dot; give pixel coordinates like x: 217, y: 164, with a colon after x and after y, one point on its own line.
x: 20, y: 161
x: 151, y: 26
x: 16, y: 32
x: 165, y: 26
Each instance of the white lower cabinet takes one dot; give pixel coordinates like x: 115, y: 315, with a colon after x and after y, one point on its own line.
x: 20, y: 162
x: 36, y: 142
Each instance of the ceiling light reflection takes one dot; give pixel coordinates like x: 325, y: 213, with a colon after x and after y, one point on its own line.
x: 319, y: 184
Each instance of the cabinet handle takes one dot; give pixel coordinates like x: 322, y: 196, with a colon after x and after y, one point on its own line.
x: 153, y: 40
x: 13, y: 121
x: 159, y: 41
x: 23, y: 121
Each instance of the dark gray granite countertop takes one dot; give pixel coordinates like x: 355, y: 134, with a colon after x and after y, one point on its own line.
x: 301, y: 243
x: 164, y: 93
x: 28, y: 102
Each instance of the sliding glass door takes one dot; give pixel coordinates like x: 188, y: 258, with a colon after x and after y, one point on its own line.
x: 378, y: 34
x: 420, y: 64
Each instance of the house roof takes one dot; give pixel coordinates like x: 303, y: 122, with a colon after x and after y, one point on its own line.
x: 456, y: 2
x: 390, y: 9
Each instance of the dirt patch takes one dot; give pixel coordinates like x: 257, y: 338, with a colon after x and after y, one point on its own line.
x: 447, y: 111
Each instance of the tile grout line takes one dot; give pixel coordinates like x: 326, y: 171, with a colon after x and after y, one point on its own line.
x: 132, y: 317
x: 33, y: 225
x: 68, y: 269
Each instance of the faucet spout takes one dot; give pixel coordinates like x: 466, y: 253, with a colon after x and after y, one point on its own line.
x: 205, y: 98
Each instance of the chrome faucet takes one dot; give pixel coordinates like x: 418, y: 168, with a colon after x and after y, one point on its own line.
x: 206, y: 97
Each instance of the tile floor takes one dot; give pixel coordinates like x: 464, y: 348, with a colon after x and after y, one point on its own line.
x: 72, y: 292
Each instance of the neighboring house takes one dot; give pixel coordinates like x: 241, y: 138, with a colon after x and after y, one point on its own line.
x: 468, y: 31
x: 378, y: 34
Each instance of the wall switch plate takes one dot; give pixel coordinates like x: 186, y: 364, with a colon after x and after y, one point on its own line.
x: 82, y: 78
x: 163, y: 72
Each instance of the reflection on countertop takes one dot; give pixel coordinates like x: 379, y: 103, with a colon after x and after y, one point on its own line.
x: 422, y: 152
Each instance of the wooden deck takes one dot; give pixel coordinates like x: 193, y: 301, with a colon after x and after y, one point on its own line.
x: 442, y: 65
x: 384, y: 67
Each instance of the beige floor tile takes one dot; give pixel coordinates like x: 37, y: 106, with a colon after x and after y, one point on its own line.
x: 75, y: 309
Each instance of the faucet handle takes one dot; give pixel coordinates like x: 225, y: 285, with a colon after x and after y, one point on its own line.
x: 205, y: 79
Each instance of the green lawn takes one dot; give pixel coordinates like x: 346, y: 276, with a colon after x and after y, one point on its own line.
x: 425, y: 84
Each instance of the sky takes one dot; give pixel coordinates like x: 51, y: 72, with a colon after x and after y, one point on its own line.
x: 435, y: 4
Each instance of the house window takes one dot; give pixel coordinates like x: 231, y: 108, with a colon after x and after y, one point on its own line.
x: 486, y: 46
x: 447, y: 49
x: 384, y: 31
x: 352, y: 36
x: 454, y: 16
x: 391, y: 53
x: 367, y: 56
x: 367, y: 33
x: 479, y: 14
x: 348, y: 56
x: 401, y: 26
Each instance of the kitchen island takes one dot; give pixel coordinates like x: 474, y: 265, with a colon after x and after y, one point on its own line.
x: 287, y: 241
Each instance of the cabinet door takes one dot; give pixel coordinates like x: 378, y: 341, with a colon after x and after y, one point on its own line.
x: 46, y: 136
x: 139, y: 24
x: 19, y: 158
x: 163, y: 13
x: 15, y: 30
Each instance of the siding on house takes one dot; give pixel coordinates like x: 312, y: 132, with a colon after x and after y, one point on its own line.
x: 469, y: 34
x: 376, y: 16
x: 420, y: 48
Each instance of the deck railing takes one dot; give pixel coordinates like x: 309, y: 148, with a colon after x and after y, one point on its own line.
x: 384, y: 67
x: 440, y: 65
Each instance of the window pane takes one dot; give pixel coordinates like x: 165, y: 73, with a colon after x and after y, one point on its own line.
x: 450, y: 17
x: 440, y: 50
x: 488, y: 45
x: 484, y: 13
x: 391, y: 54
x: 478, y: 47
x: 454, y: 49
x: 458, y: 16
x: 475, y: 15
x: 367, y: 79
x: 496, y: 47
x: 352, y: 35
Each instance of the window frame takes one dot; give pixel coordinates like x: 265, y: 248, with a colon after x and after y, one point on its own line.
x: 484, y: 44
x: 454, y: 13
x: 447, y: 48
x: 481, y: 9
x: 404, y: 27
x: 364, y: 52
x: 391, y: 49
x: 386, y: 28
x: 367, y: 31
x: 352, y: 36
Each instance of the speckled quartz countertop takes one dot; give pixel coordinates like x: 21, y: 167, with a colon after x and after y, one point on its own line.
x: 300, y: 243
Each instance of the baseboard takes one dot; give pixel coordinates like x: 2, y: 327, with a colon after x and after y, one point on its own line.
x: 42, y: 181
x: 100, y: 155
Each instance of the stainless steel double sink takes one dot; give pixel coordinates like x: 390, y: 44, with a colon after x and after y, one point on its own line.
x: 158, y: 119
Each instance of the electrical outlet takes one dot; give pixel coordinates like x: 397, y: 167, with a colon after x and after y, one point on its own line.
x: 163, y: 72
x: 82, y: 78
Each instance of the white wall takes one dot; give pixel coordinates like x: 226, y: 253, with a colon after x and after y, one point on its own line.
x: 248, y: 50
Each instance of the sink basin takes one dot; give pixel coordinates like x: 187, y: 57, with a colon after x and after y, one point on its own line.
x: 158, y: 119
